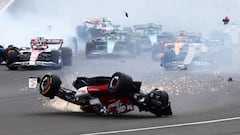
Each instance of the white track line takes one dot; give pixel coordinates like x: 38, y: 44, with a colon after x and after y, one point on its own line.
x: 161, y: 127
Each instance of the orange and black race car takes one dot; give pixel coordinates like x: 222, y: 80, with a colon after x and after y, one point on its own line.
x: 177, y: 50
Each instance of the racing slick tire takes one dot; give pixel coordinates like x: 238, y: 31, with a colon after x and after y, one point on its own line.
x: 133, y: 48
x: 12, y: 57
x: 67, y: 56
x: 49, y: 85
x: 89, y: 47
x: 167, y: 59
x: 120, y: 84
x: 56, y: 58
x: 157, y: 50
x: 159, y: 104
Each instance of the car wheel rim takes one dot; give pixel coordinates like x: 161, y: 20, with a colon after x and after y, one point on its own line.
x: 45, y: 85
x: 114, y: 82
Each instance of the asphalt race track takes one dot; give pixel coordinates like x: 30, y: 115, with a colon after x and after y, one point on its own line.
x: 203, y: 101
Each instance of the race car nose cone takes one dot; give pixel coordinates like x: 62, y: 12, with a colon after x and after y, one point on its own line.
x: 182, y: 67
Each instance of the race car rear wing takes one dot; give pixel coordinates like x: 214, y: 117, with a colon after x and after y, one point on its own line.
x: 97, y: 21
x: 93, y: 21
x: 42, y: 41
x: 146, y: 26
x: 116, y: 32
x: 189, y: 34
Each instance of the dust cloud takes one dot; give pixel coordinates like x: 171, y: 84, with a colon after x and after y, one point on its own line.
x: 30, y: 18
x: 27, y: 19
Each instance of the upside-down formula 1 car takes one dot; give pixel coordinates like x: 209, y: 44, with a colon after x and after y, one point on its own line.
x: 43, y: 53
x: 113, y: 95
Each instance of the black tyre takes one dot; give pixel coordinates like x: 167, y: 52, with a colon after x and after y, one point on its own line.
x: 89, y: 47
x: 133, y: 48
x: 167, y: 59
x: 56, y: 58
x: 67, y: 56
x: 156, y: 49
x: 120, y: 84
x: 12, y: 57
x: 168, y: 56
x: 49, y: 85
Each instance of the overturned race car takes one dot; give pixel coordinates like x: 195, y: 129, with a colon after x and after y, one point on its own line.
x: 113, y: 95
